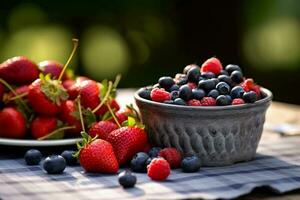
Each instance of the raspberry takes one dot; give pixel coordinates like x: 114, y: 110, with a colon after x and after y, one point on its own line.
x: 172, y: 156
x: 247, y: 84
x: 194, y: 102
x: 192, y: 85
x: 208, y: 101
x: 256, y: 89
x: 158, y: 169
x: 212, y: 65
x: 237, y: 101
x: 160, y: 95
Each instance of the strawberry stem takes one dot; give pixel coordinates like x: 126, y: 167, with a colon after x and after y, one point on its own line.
x: 110, y: 86
x: 80, y: 113
x: 15, y: 93
x: 56, y: 131
x: 113, y: 115
x: 17, y: 96
x: 117, y: 80
x: 75, y: 42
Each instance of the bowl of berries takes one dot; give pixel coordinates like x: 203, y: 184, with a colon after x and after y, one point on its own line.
x: 214, y: 113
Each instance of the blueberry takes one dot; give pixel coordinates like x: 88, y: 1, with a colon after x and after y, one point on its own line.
x: 54, y: 164
x: 207, y: 85
x: 154, y: 152
x: 180, y: 101
x: 225, y: 78
x: 190, y: 164
x: 237, y: 92
x: 208, y: 75
x: 127, y: 179
x: 174, y: 87
x: 174, y: 95
x: 198, y: 93
x: 188, y: 67
x: 223, y: 100
x: 185, y: 92
x: 236, y: 76
x: 145, y: 93
x: 224, y: 72
x: 230, y: 68
x: 229, y: 98
x: 182, y: 81
x: 68, y: 155
x: 193, y: 74
x: 149, y: 161
x: 166, y: 82
x: 169, y: 102
x: 180, y: 76
x: 250, y: 97
x: 139, y: 162
x: 213, y: 93
x: 33, y: 157
x: 215, y: 80
x: 223, y: 88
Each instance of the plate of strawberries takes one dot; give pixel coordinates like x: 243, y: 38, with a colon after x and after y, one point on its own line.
x: 44, y: 104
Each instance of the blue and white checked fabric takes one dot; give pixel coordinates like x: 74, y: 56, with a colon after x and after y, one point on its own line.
x: 276, y: 166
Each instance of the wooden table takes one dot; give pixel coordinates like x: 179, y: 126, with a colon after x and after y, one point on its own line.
x: 278, y: 113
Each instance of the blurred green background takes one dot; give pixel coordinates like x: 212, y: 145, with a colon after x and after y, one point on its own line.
x: 144, y: 40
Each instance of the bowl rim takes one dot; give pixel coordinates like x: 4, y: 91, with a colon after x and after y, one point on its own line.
x: 265, y: 100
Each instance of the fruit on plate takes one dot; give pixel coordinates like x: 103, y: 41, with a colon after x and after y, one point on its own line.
x: 51, y: 67
x: 208, y: 85
x: 67, y: 115
x: 43, y: 125
x: 19, y: 70
x: 102, y: 129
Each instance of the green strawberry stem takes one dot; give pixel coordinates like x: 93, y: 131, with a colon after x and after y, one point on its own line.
x: 113, y: 115
x: 56, y: 132
x: 75, y: 42
x: 17, y: 96
x: 14, y: 92
x: 110, y: 86
x: 80, y: 113
x: 117, y: 81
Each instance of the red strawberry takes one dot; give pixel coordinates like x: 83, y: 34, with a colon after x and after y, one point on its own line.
x: 2, y: 91
x: 208, y: 101
x: 113, y: 104
x: 194, y: 102
x: 212, y: 65
x: 42, y: 126
x: 158, y: 169
x: 89, y: 93
x: 98, y: 157
x: 102, y: 129
x: 19, y: 91
x: 160, y: 95
x: 127, y: 141
x: 237, y: 101
x: 19, y: 70
x: 68, y: 108
x: 172, y: 156
x: 12, y: 123
x: 122, y: 115
x: 51, y: 67
x: 45, y: 96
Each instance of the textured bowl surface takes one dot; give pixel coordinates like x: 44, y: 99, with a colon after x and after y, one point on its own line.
x: 219, y: 135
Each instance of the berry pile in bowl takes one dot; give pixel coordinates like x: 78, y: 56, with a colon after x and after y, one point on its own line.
x: 211, y: 111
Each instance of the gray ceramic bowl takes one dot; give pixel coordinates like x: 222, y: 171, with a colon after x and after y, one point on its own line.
x: 219, y: 135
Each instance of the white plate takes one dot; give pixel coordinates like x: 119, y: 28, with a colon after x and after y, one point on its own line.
x: 38, y: 143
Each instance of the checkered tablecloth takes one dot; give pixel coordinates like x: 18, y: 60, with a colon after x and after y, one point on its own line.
x: 276, y: 166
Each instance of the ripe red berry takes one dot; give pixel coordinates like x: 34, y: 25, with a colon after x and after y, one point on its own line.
x: 212, y: 65
x: 208, y: 101
x: 102, y: 129
x: 237, y: 101
x: 256, y: 89
x: 194, y: 102
x: 247, y: 84
x: 172, y: 156
x: 158, y: 169
x: 160, y: 95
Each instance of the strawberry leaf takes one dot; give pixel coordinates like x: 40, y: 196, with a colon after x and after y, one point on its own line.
x: 131, y: 121
x: 107, y: 116
x: 104, y: 88
x: 89, y: 117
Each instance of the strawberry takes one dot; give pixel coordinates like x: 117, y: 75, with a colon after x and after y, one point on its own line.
x: 51, y: 67
x: 172, y: 156
x: 12, y: 123
x: 19, y: 70
x: 158, y: 169
x: 42, y: 126
x: 2, y: 91
x: 208, y: 101
x: 45, y: 96
x: 89, y: 93
x: 160, y: 95
x: 20, y: 91
x: 127, y: 141
x: 113, y: 104
x: 102, y: 129
x: 97, y: 156
x: 68, y: 109
x: 212, y: 65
